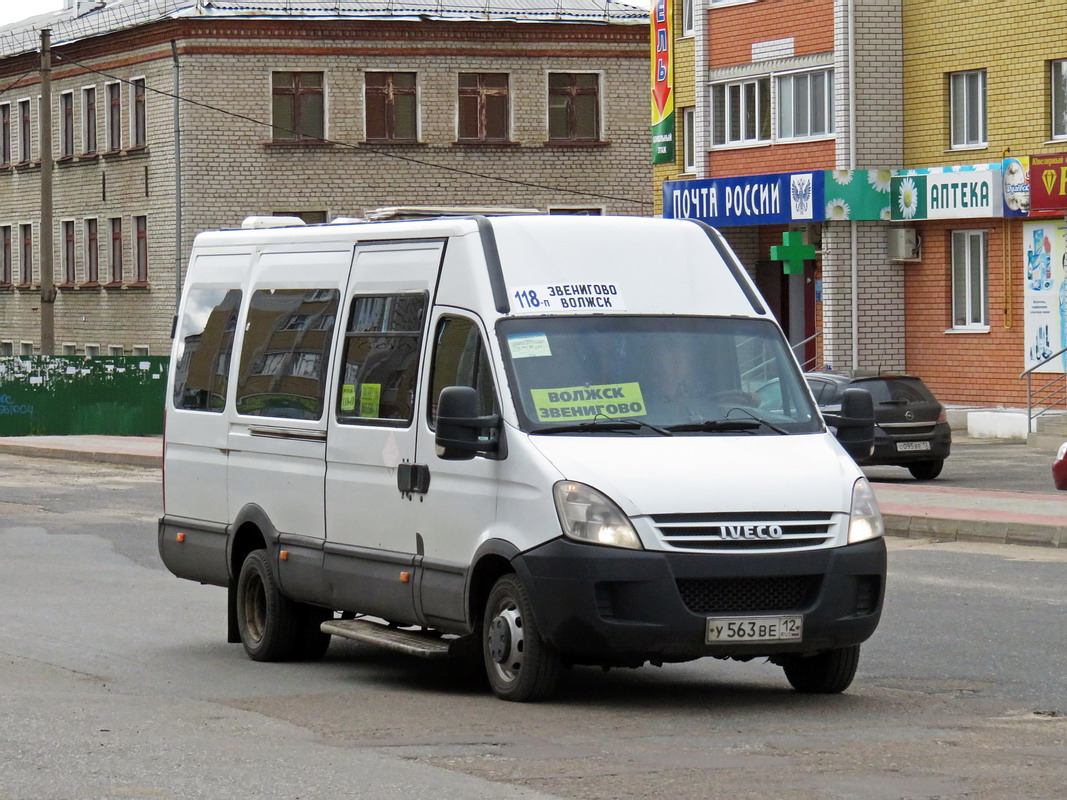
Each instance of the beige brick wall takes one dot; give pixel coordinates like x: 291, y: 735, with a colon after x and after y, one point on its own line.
x: 229, y: 170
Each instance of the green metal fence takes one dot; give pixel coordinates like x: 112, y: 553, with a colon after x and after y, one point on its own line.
x: 64, y: 395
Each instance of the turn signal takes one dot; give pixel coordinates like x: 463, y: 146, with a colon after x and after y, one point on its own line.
x: 405, y: 577
x: 180, y: 537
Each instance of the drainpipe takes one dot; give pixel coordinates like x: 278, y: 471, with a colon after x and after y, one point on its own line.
x: 177, y: 183
x: 852, y: 165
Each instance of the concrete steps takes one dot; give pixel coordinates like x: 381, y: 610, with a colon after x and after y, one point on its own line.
x: 1050, y: 432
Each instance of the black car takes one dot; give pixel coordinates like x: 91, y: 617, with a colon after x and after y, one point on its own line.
x: 910, y: 426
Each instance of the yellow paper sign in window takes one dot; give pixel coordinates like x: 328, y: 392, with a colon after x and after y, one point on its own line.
x: 589, y: 402
x: 370, y: 400
x: 348, y: 397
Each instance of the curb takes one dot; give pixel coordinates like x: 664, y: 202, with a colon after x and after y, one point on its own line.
x: 952, y: 529
x: 99, y: 456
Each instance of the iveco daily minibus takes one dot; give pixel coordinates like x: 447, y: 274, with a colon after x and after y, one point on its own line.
x: 541, y: 441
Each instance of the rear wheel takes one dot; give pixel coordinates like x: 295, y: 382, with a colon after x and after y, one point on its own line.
x: 827, y: 673
x: 926, y: 470
x: 267, y: 620
x: 521, y: 666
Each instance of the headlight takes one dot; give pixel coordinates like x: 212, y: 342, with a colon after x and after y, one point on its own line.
x: 866, y: 520
x: 589, y: 516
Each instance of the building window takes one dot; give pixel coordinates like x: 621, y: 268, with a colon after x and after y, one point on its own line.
x: 970, y: 306
x: 7, y: 348
x: 24, y: 131
x: 689, y: 140
x: 92, y: 350
x: 391, y: 106
x: 483, y: 106
x: 806, y: 104
x: 138, y: 120
x: 70, y: 349
x: 298, y: 110
x: 141, y: 248
x: 309, y: 217
x: 89, y: 120
x: 140, y: 350
x: 5, y: 134
x: 5, y: 255
x: 967, y: 101
x: 688, y: 17
x: 573, y: 106
x: 116, y: 250
x: 116, y: 350
x: 26, y: 349
x: 92, y: 253
x: 68, y: 253
x: 114, y: 116
x: 66, y: 125
x: 580, y: 211
x: 26, y: 254
x: 741, y: 112
x: 1059, y: 99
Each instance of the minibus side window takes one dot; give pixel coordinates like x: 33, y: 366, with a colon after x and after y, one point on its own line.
x: 205, y: 345
x: 286, y: 352
x: 460, y: 359
x: 380, y: 363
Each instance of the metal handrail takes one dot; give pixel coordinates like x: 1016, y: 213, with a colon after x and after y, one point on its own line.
x: 811, y: 361
x: 1052, y: 397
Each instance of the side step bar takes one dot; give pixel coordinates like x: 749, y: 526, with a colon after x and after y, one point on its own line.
x: 421, y: 643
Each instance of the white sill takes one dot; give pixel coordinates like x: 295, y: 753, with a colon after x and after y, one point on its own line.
x: 973, y: 329
x: 960, y: 147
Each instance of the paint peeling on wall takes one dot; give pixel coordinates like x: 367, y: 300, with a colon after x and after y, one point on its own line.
x: 66, y: 395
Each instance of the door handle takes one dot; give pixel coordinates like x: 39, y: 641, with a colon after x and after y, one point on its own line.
x: 413, y: 478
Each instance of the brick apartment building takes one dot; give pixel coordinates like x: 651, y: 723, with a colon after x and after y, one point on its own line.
x: 293, y: 107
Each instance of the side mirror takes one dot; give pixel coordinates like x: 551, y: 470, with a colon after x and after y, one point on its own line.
x: 855, y: 423
x: 459, y: 426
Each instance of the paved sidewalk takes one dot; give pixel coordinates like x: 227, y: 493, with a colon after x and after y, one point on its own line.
x: 943, y: 510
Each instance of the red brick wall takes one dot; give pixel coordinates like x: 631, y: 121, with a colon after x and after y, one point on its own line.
x: 967, y: 368
x: 772, y: 159
x: 733, y: 30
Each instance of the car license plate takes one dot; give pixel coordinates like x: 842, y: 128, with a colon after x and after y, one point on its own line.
x: 754, y: 629
x: 913, y: 446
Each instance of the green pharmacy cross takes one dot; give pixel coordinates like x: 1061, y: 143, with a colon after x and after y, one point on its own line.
x: 792, y: 252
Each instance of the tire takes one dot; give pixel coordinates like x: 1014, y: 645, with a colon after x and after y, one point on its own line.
x: 827, y: 673
x: 311, y: 642
x: 267, y: 620
x: 926, y: 470
x: 520, y: 665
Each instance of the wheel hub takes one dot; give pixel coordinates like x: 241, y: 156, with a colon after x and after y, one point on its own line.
x: 505, y: 640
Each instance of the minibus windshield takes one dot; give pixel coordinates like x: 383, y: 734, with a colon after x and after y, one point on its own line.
x: 654, y: 376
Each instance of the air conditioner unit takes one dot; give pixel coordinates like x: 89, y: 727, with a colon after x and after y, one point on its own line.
x: 903, y: 244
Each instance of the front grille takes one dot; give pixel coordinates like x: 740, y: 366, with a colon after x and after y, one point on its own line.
x: 746, y: 530
x: 748, y: 595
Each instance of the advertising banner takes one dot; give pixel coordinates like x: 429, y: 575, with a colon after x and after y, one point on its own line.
x: 1048, y: 183
x: 662, y: 82
x: 748, y: 200
x: 1045, y: 293
x: 966, y: 192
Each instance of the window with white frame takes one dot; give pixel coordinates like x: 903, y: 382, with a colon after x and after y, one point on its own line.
x: 1059, y: 99
x: 689, y: 140
x: 806, y: 104
x: 5, y: 134
x: 970, y: 280
x: 741, y: 112
x: 24, y: 131
x: 69, y: 268
x: 688, y: 17
x: 967, y: 108
x: 113, y: 115
x: 138, y: 118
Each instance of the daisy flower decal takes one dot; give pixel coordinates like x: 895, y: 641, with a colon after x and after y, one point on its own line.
x: 879, y: 179
x: 843, y: 176
x: 909, y: 198
x: 837, y: 209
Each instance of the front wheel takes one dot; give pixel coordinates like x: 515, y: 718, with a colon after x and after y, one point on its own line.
x: 827, y: 673
x: 926, y: 470
x: 521, y: 666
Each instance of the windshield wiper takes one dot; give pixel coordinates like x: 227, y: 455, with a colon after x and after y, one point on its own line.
x: 712, y: 425
x: 607, y: 424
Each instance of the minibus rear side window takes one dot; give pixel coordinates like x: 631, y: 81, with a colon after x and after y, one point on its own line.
x: 205, y: 345
x: 286, y: 352
x: 380, y: 363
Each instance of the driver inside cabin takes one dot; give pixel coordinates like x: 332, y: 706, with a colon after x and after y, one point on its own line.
x: 686, y: 391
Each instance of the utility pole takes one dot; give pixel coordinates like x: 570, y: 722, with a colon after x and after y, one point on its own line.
x: 47, y: 235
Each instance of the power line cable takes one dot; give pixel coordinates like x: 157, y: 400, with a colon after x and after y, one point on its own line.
x: 357, y: 147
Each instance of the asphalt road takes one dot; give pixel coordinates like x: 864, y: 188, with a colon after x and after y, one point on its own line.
x: 117, y: 682
x: 996, y: 464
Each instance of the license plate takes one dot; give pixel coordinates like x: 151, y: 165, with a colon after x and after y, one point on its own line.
x: 913, y: 446
x: 754, y: 629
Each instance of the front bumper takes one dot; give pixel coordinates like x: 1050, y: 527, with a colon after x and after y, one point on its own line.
x: 603, y: 605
